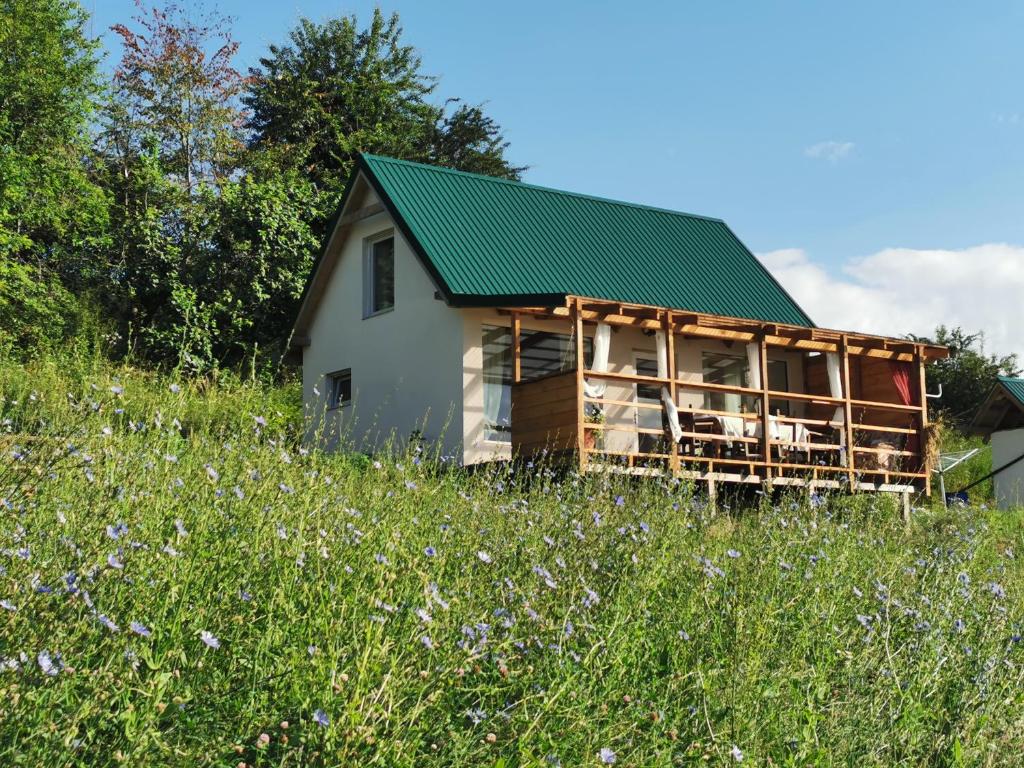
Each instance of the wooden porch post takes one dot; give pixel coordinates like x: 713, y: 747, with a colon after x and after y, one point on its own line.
x: 923, y: 437
x: 517, y: 371
x: 671, y: 347
x: 581, y: 447
x: 847, y: 408
x: 766, y: 436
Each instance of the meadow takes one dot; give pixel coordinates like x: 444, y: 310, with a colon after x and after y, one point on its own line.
x: 182, y: 584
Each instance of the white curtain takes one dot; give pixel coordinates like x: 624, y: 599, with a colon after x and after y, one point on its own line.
x: 671, y: 411
x: 754, y: 361
x: 602, y: 344
x: 835, y: 386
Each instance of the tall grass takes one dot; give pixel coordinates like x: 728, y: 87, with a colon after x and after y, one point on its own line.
x: 183, y: 585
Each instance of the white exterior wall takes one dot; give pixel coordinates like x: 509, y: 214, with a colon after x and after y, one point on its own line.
x: 1009, y: 484
x: 406, y: 363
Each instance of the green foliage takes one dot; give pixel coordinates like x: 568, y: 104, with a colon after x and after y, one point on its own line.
x: 49, y: 208
x: 439, y: 618
x: 35, y: 306
x: 967, y: 375
x: 337, y: 90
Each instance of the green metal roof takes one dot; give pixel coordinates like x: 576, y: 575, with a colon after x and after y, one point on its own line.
x: 488, y: 241
x: 1014, y: 388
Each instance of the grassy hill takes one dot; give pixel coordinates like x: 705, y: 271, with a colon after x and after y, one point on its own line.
x: 181, y: 584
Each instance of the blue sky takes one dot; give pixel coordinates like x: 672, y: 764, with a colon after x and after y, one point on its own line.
x: 837, y: 130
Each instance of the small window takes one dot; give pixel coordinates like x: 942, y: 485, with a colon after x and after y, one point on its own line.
x: 339, y: 389
x: 380, y: 275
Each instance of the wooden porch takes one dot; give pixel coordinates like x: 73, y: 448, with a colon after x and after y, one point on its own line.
x: 870, y: 437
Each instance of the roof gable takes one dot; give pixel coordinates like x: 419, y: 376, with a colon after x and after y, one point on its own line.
x: 1003, y: 408
x: 489, y: 240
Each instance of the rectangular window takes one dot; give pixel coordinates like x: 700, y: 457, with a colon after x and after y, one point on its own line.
x: 339, y: 388
x: 540, y: 353
x: 379, y: 282
x: 734, y: 371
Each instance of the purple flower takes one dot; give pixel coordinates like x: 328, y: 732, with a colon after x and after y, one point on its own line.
x: 380, y: 559
x: 619, y: 502
x: 140, y: 629
x: 320, y: 718
x: 7, y: 605
x: 117, y: 531
x: 51, y: 665
x: 429, y: 551
x: 484, y: 557
x: 180, y: 527
x: 737, y: 753
x: 108, y: 623
x: 113, y: 562
x: 212, y: 473
x: 733, y: 553
x: 606, y: 756
x: 427, y: 642
x: 209, y: 639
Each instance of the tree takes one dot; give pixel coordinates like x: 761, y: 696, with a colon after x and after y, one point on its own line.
x: 171, y: 139
x: 49, y: 82
x: 336, y: 90
x: 967, y: 375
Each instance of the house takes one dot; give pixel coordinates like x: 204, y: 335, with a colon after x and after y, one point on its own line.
x: 1001, y: 420
x: 452, y: 307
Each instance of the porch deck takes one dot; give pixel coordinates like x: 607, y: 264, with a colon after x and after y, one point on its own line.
x: 871, y: 437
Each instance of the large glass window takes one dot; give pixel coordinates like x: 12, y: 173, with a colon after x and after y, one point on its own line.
x: 540, y: 353
x: 734, y: 371
x: 380, y: 276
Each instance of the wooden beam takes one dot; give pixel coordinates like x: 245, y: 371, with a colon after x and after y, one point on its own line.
x: 363, y: 213
x: 922, y: 440
x: 581, y: 446
x: 671, y: 345
x: 762, y: 362
x: 847, y: 409
x: 516, y: 349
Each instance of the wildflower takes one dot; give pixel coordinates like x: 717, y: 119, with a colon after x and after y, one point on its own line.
x: 180, y: 527
x: 620, y: 502
x: 484, y: 557
x: 282, y: 532
x: 597, y: 518
x: 429, y: 551
x: 590, y: 597
x: 684, y: 635
x: 140, y: 629
x: 244, y: 596
x: 169, y: 550
x: 380, y: 559
x: 427, y: 642
x: 209, y: 639
x: 737, y: 753
x: 175, y: 389
x: 260, y: 421
x: 606, y: 756
x: 108, y: 623
x: 212, y: 473
x: 410, y: 485
x: 50, y: 665
x: 733, y: 553
x: 645, y: 527
x: 997, y: 590
x: 311, y: 650
x: 117, y: 531
x: 320, y: 718
x: 7, y: 605
x: 117, y: 390
x: 476, y: 715
x: 113, y: 562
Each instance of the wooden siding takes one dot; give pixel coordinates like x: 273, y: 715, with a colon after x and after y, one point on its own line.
x: 544, y: 415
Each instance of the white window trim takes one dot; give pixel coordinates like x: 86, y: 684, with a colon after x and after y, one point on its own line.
x: 331, y: 405
x: 368, y: 244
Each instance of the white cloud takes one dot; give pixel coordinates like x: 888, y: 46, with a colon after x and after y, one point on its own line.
x: 832, y: 151
x: 902, y: 290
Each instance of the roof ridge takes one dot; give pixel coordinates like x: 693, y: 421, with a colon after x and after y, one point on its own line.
x: 540, y: 188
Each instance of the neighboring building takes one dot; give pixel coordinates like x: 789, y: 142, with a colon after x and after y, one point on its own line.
x: 1001, y: 420
x: 452, y: 307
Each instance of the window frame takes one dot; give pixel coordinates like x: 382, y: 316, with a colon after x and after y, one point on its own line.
x: 369, y: 298
x: 333, y: 379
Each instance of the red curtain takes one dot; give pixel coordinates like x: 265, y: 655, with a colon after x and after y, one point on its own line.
x: 901, y: 378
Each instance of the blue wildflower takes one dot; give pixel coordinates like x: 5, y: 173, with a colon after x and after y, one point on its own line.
x: 140, y: 629
x: 209, y: 639
x: 606, y: 756
x: 320, y: 718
